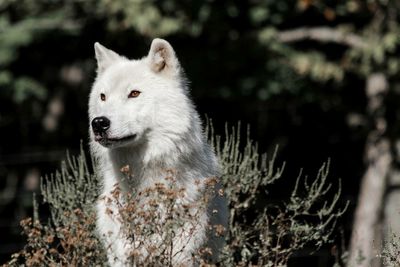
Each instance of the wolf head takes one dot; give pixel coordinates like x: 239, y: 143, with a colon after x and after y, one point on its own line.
x: 142, y: 101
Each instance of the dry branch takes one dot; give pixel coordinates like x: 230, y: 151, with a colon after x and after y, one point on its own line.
x: 322, y: 34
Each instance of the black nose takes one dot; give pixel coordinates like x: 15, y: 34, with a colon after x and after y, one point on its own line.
x: 100, y: 125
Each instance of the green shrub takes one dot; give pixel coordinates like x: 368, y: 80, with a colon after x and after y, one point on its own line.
x: 258, y: 234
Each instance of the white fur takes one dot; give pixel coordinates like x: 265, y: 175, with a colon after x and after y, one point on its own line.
x: 168, y: 133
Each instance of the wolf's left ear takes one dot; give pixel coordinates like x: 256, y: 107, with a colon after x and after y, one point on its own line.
x: 162, y: 57
x: 105, y: 57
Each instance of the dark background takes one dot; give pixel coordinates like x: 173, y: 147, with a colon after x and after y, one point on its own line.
x: 307, y: 95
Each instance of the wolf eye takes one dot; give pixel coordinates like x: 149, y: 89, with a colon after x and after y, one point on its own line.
x: 134, y: 93
x: 103, y: 97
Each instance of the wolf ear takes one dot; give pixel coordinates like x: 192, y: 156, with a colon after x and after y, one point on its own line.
x: 162, y: 57
x: 105, y: 57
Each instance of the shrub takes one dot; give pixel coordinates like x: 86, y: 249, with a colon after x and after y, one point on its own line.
x: 391, y: 250
x: 258, y: 234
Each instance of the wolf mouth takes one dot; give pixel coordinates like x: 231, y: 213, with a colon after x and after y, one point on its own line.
x: 107, y: 142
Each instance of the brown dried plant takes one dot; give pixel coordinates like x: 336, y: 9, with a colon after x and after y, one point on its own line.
x: 259, y: 234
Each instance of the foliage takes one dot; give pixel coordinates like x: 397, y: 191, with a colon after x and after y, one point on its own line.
x: 277, y: 231
x: 258, y: 234
x: 368, y: 42
x: 70, y: 235
x: 71, y: 244
x: 391, y: 251
x: 72, y: 188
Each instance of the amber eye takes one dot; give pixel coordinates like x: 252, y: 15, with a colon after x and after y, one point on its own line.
x: 134, y: 93
x: 103, y: 97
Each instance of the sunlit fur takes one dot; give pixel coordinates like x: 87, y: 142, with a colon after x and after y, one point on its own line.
x: 169, y: 135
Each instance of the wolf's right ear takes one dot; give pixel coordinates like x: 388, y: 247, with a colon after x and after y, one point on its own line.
x: 105, y: 57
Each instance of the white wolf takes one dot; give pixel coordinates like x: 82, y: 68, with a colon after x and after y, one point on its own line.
x: 141, y: 116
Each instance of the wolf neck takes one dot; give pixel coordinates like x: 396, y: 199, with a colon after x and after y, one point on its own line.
x: 151, y: 162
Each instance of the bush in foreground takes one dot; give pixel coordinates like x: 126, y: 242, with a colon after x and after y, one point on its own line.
x: 258, y: 234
